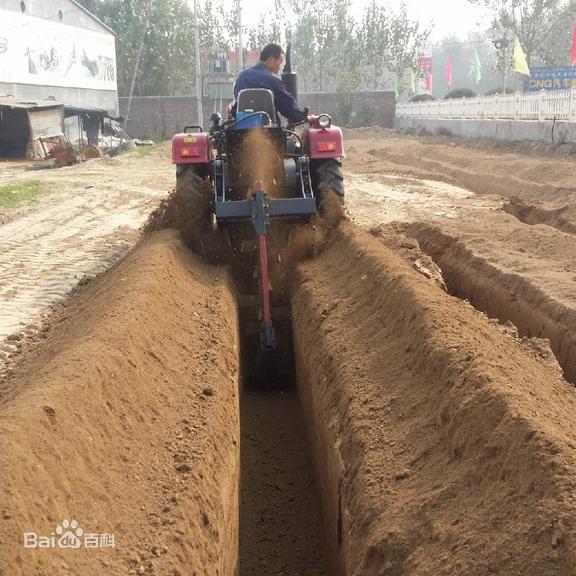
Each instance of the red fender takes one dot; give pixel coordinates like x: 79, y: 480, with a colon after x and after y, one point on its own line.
x: 324, y: 143
x: 191, y: 148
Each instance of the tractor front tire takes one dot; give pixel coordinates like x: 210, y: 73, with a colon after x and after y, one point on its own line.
x: 196, y: 207
x: 328, y: 173
x: 192, y: 214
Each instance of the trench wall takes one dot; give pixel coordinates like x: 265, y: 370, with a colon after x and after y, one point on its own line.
x: 502, y: 294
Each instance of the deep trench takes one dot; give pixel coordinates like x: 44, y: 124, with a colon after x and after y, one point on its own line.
x: 280, y: 517
x: 472, y: 280
x: 533, y: 214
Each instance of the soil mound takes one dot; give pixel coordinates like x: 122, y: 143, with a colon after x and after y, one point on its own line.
x: 294, y: 243
x: 445, y: 446
x: 126, y: 420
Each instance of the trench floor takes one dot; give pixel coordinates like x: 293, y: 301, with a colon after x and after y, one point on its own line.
x: 280, y: 524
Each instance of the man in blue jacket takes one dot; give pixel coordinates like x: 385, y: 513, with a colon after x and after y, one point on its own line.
x: 265, y: 75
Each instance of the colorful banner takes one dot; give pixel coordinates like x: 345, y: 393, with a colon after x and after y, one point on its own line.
x: 520, y: 63
x: 424, y: 63
x: 448, y: 72
x: 48, y: 53
x: 550, y: 78
x: 425, y: 67
x: 477, y: 67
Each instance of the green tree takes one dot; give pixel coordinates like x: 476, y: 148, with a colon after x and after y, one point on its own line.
x: 462, y: 54
x: 556, y: 51
x: 212, y: 30
x: 406, y: 39
x: 332, y: 50
x: 165, y: 31
x: 374, y: 37
x: 270, y: 28
x: 325, y: 44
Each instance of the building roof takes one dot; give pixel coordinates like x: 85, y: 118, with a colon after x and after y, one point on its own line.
x: 12, y: 102
x: 87, y: 111
x: 94, y: 17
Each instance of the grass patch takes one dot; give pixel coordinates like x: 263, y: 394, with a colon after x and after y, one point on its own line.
x: 13, y: 194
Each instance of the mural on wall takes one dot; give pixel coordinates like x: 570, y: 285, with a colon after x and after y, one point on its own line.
x: 47, y: 53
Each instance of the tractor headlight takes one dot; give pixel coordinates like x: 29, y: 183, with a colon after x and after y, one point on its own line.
x: 324, y: 120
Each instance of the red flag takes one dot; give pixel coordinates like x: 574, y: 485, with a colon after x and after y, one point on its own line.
x: 428, y: 79
x: 448, y: 70
x: 573, y: 58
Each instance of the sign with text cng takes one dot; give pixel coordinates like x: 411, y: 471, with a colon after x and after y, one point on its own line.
x: 49, y: 53
x: 550, y: 78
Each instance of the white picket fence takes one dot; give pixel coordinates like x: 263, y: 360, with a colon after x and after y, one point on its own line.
x: 538, y: 106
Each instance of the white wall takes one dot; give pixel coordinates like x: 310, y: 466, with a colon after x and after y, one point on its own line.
x: 48, y: 53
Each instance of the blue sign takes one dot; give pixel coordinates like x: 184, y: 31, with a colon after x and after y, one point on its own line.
x: 550, y: 78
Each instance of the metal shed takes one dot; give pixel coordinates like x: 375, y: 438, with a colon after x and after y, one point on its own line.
x: 27, y: 128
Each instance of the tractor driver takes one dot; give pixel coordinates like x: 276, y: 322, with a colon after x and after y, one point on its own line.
x: 265, y: 75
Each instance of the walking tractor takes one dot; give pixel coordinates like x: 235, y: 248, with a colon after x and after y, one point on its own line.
x: 260, y: 172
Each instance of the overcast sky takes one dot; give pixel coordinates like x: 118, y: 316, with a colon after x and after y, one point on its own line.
x: 448, y: 16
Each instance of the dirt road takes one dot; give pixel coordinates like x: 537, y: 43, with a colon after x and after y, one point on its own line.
x: 88, y: 220
x: 537, y: 188
x: 433, y: 430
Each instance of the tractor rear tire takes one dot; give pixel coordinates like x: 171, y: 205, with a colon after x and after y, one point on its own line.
x: 328, y: 173
x: 195, y: 220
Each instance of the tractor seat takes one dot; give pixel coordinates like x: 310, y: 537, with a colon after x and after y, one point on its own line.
x: 257, y: 100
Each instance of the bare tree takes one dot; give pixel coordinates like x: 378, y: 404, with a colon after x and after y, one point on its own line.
x: 532, y: 21
x: 406, y: 40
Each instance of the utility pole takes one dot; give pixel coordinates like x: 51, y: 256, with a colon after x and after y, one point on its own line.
x: 132, y: 84
x: 134, y: 75
x: 501, y: 45
x: 198, y: 67
x: 240, y: 39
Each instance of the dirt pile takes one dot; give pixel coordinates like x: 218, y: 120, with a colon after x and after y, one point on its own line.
x: 444, y: 447
x: 293, y: 243
x: 186, y: 208
x: 394, y: 236
x: 126, y: 420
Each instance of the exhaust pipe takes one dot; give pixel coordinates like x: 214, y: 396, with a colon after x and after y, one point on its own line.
x: 288, y: 77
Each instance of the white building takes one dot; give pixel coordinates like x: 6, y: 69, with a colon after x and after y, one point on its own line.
x: 56, y: 49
